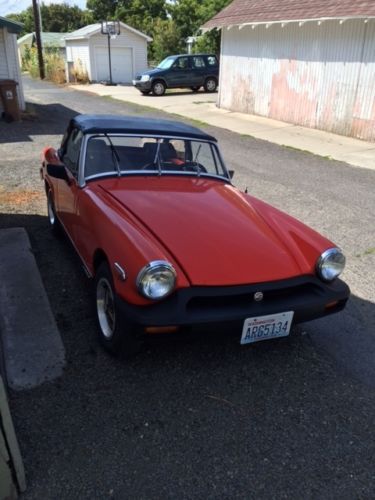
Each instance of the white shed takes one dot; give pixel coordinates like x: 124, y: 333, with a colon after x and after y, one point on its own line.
x: 9, y: 64
x: 87, y: 49
x: 309, y: 63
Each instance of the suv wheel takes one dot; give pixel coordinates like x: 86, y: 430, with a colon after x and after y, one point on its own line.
x: 210, y: 85
x: 158, y: 88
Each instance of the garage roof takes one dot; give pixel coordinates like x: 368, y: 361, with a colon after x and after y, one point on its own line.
x: 12, y: 26
x: 241, y: 12
x: 94, y: 29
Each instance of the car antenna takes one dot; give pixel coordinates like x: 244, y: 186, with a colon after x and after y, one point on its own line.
x: 115, y: 155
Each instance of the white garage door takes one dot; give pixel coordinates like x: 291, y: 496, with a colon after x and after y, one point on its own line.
x: 122, y: 66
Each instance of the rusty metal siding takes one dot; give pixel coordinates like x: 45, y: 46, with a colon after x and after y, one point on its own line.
x: 320, y: 76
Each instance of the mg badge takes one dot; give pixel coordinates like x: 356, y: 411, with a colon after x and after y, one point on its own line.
x: 258, y: 296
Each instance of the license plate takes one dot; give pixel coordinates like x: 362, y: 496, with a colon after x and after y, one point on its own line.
x: 266, y: 327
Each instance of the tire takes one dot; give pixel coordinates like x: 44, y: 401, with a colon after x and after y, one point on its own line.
x: 145, y: 92
x: 210, y: 85
x: 116, y: 334
x: 158, y: 88
x: 195, y: 89
x: 54, y: 222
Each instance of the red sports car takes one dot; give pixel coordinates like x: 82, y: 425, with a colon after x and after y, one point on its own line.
x: 170, y: 242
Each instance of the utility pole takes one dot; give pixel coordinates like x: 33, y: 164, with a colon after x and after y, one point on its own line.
x: 38, y: 39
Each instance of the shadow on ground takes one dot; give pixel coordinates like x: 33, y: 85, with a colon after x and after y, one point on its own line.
x: 39, y: 120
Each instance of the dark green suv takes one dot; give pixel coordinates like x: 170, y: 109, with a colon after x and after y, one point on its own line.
x: 182, y: 71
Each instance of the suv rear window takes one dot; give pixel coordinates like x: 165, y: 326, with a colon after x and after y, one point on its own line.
x: 211, y: 61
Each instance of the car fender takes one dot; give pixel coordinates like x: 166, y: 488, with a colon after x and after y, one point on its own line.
x: 123, y: 239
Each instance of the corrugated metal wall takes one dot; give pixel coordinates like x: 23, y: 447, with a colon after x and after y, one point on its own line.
x: 316, y: 76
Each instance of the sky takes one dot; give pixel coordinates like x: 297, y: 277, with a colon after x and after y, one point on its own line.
x: 16, y: 6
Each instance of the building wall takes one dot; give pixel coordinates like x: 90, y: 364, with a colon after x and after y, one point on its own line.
x: 9, y: 64
x: 316, y: 76
x: 126, y: 39
x: 78, y: 53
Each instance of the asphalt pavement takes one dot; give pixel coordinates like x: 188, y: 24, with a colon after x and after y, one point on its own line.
x: 200, y: 417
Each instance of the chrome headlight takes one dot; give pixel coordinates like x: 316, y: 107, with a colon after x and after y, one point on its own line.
x: 145, y: 78
x: 156, y: 280
x: 330, y: 264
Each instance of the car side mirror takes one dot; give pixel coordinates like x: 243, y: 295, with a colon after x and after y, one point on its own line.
x: 231, y: 173
x: 57, y: 172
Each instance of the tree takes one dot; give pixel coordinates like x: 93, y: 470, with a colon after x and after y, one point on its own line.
x: 59, y: 18
x: 166, y: 40
x: 190, y: 15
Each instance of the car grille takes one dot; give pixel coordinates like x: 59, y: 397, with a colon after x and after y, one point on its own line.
x: 240, y: 301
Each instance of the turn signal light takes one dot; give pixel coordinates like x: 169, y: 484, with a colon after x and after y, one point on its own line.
x: 332, y: 304
x: 161, y: 329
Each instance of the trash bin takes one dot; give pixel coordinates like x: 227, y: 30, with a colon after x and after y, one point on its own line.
x: 9, y: 99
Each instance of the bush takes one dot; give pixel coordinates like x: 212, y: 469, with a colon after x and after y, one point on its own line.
x: 54, y: 64
x: 79, y: 73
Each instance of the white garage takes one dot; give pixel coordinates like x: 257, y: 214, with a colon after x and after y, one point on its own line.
x: 87, y: 51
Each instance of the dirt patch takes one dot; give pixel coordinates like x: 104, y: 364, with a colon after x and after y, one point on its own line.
x: 19, y: 198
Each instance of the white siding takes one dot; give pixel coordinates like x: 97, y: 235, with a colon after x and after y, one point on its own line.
x: 126, y: 39
x: 9, y: 64
x: 77, y: 51
x: 316, y: 76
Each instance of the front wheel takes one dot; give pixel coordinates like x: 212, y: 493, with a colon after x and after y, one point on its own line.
x: 52, y: 218
x: 116, y: 334
x: 210, y: 85
x: 158, y: 88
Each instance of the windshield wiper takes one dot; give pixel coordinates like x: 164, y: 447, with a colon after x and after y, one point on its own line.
x: 157, y: 157
x: 195, y: 160
x: 115, y: 155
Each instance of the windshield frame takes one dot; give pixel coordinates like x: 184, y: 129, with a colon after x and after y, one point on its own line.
x: 82, y: 179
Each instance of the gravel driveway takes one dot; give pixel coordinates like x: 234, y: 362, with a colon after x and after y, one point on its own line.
x: 200, y: 418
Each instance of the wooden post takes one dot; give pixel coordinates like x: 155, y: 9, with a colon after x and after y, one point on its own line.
x: 38, y: 40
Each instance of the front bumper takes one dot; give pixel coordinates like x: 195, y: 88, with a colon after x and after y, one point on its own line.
x: 142, y: 86
x: 307, y: 296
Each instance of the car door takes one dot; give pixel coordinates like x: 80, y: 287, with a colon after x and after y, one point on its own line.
x: 68, y: 190
x: 199, y: 71
x: 180, y: 73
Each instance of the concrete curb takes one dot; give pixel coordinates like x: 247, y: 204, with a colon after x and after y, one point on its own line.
x: 33, y: 349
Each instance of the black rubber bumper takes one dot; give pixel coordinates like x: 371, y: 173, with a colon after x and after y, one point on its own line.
x: 307, y: 296
x: 143, y: 86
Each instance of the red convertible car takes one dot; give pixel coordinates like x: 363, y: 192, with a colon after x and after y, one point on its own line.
x: 151, y: 210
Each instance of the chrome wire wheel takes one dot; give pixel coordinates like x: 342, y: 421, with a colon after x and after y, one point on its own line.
x: 51, y: 210
x: 105, y: 306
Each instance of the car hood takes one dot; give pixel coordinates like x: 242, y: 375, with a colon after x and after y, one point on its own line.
x: 151, y: 72
x: 215, y: 233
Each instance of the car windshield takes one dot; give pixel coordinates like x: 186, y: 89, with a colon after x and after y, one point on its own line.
x: 122, y: 154
x: 166, y: 63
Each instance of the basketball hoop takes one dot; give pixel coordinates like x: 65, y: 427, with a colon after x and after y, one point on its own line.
x: 112, y: 30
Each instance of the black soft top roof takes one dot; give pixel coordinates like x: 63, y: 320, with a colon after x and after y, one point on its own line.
x: 112, y: 124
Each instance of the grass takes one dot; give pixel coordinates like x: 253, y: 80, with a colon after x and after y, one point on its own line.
x: 143, y: 108
x: 292, y: 148
x: 369, y: 251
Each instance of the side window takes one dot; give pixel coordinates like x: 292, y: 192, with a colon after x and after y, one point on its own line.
x: 211, y: 61
x: 73, y: 147
x: 181, y: 63
x: 198, y: 62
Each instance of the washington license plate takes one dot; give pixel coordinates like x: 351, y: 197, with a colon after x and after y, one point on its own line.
x: 266, y: 327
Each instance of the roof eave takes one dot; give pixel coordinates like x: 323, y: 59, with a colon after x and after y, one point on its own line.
x: 226, y: 24
x: 12, y: 26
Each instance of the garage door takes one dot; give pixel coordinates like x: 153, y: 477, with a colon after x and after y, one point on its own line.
x: 122, y: 66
